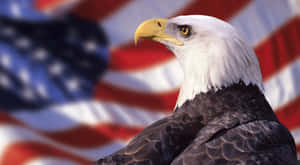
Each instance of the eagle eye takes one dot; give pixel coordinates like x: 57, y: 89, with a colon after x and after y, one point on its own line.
x: 185, y: 30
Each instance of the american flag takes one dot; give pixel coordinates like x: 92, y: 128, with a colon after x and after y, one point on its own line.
x: 74, y: 88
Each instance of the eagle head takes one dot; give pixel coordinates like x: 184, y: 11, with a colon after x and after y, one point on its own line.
x: 212, y: 53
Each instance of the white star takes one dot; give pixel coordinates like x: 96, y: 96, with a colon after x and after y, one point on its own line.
x: 28, y: 94
x: 24, y: 76
x: 73, y: 84
x: 56, y: 69
x: 4, y: 81
x: 90, y: 46
x: 23, y: 43
x: 42, y: 90
x: 15, y: 9
x: 40, y: 54
x: 5, y: 60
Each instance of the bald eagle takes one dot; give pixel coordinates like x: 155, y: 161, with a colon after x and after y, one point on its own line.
x: 221, y: 115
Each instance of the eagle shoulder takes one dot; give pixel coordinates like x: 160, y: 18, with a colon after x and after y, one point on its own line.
x: 256, y: 142
x: 159, y: 143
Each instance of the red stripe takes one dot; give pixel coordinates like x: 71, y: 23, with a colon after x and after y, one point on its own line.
x: 298, y: 148
x: 143, y: 56
x: 220, y: 9
x: 48, y: 4
x: 22, y: 152
x: 280, y: 49
x: 6, y: 119
x: 149, y: 53
x: 163, y: 101
x: 289, y: 115
x: 88, y: 137
x: 275, y: 53
x: 97, y: 135
x: 99, y: 9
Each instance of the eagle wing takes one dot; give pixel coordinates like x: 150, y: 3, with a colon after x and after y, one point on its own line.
x: 257, y: 142
x: 159, y: 143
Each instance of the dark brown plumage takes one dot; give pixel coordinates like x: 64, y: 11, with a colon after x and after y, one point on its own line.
x: 234, y: 125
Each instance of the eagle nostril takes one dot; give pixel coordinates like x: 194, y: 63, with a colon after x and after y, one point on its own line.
x: 158, y: 23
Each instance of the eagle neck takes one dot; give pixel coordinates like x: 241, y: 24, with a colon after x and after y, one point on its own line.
x: 245, y: 100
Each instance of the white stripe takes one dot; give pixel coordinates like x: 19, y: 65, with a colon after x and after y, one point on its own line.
x: 295, y: 4
x: 121, y: 26
x: 50, y: 161
x: 160, y: 78
x: 284, y: 86
x: 87, y: 112
x: 16, y: 134
x: 260, y: 18
x: 296, y: 135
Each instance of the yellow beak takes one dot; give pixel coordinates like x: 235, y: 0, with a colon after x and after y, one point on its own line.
x: 154, y: 29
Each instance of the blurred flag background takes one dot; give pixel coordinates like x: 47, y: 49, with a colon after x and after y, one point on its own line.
x: 74, y: 88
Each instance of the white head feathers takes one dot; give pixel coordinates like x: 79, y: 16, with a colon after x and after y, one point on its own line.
x: 212, y: 57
